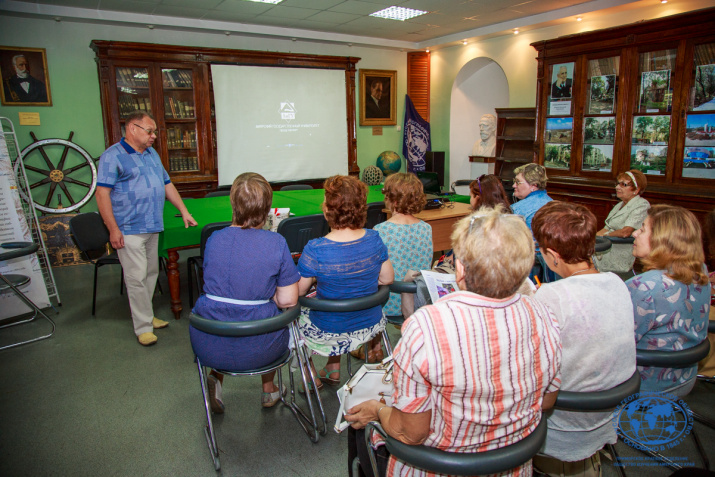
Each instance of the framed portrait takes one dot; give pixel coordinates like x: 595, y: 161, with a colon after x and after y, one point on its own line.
x: 561, y: 81
x: 25, y: 79
x: 378, y: 98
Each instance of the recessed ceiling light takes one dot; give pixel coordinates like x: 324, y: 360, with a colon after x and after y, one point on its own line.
x: 464, y: 42
x: 516, y: 31
x: 398, y: 13
x: 266, y: 1
x: 663, y: 1
x: 578, y: 19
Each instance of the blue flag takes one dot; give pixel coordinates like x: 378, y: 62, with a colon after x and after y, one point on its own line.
x: 416, y: 141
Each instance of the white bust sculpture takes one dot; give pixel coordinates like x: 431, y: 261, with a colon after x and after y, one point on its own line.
x: 486, y: 146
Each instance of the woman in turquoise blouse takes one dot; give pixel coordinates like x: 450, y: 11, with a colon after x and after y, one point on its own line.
x: 671, y: 300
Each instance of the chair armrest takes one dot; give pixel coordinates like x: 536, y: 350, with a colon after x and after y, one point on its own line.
x: 598, y: 400
x: 403, y: 287
x: 603, y: 244
x: 349, y: 304
x: 616, y: 240
x: 467, y: 463
x: 673, y: 359
x: 245, y: 328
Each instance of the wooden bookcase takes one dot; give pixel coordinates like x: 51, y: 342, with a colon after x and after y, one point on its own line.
x: 634, y: 97
x: 173, y: 83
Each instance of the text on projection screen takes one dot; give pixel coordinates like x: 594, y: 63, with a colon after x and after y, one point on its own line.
x: 286, y: 124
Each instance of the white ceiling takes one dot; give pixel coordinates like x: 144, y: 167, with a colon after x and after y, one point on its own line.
x: 347, y: 21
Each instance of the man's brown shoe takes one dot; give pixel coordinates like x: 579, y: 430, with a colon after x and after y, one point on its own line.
x: 147, y: 339
x: 158, y: 324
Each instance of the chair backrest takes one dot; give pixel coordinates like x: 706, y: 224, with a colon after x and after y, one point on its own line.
x: 218, y: 193
x: 375, y: 215
x: 460, y: 183
x: 208, y: 230
x: 296, y: 187
x: 10, y: 250
x: 298, y: 231
x: 438, y: 461
x: 627, y: 240
x: 598, y: 400
x: 245, y: 328
x: 348, y: 304
x: 89, y: 232
x: 673, y: 359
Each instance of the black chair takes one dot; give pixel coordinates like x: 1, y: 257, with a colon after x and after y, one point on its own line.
x: 458, y: 183
x: 400, y: 287
x: 674, y: 359
x: 603, y: 244
x: 298, y: 231
x: 378, y: 298
x: 375, y: 215
x: 296, y: 187
x: 702, y: 377
x: 195, y: 264
x: 438, y: 461
x: 11, y: 282
x: 92, y: 238
x: 605, y: 400
x: 218, y: 193
x: 314, y: 424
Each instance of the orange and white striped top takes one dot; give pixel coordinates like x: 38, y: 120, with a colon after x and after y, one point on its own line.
x: 482, y: 366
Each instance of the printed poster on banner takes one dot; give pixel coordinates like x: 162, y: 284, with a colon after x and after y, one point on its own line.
x: 14, y: 228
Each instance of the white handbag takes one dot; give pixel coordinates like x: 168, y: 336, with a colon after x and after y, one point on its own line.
x: 371, y: 381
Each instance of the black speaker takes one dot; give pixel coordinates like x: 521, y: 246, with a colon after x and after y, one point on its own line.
x: 435, y: 163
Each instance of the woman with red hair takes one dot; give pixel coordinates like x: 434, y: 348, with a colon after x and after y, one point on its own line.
x: 349, y: 262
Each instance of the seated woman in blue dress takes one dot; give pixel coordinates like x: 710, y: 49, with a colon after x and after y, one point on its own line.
x: 248, y: 275
x: 671, y: 300
x: 349, y: 262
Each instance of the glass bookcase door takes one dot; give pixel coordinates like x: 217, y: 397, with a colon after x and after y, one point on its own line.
x: 699, y: 153
x: 558, y: 133
x: 650, y: 130
x: 599, y: 122
x: 132, y: 90
x: 180, y: 119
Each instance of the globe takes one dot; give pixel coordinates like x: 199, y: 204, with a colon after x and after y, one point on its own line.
x: 372, y: 175
x: 653, y: 420
x: 389, y: 162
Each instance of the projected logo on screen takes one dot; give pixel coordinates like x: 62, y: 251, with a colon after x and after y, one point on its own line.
x: 287, y: 111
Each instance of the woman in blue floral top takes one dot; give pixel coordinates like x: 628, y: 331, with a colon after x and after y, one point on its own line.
x: 671, y: 300
x: 408, y: 239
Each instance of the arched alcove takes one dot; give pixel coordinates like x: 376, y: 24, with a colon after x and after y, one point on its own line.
x: 480, y: 86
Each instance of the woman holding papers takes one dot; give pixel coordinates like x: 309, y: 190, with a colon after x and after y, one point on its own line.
x: 441, y: 399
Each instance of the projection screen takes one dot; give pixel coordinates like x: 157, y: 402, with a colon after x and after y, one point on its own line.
x: 286, y: 124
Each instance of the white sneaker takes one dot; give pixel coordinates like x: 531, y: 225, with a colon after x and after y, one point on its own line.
x: 215, y: 395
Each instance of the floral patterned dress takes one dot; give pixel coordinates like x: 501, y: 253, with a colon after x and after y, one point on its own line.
x: 669, y: 315
x: 409, y: 247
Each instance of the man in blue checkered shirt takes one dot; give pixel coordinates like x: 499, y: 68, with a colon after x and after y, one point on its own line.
x: 132, y: 186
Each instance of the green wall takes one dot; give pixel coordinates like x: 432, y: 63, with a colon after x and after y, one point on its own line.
x: 75, y: 87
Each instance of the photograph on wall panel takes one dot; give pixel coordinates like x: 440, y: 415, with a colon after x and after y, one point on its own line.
x: 655, y: 91
x: 653, y: 130
x: 597, y: 157
x: 700, y: 130
x: 559, y: 130
x: 599, y: 130
x: 557, y: 156
x: 603, y: 93
x: 704, y: 90
x: 699, y: 162
x: 649, y: 159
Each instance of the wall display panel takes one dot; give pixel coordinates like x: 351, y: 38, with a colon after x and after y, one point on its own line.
x: 699, y: 152
x: 642, y: 97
